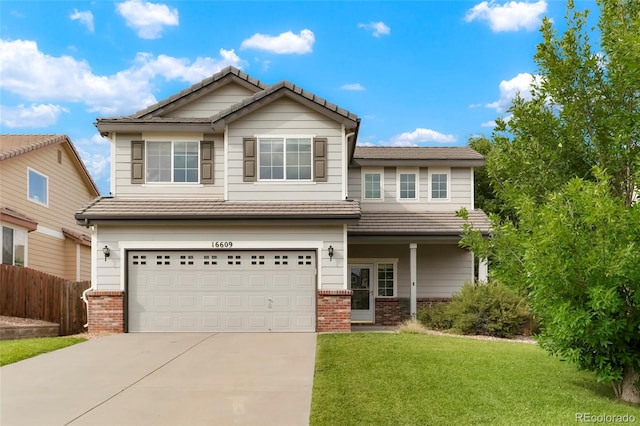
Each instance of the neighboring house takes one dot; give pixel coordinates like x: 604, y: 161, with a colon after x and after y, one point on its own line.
x: 43, y: 182
x: 239, y: 206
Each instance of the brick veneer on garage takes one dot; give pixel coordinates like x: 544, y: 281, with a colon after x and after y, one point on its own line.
x: 106, y: 311
x: 334, y: 310
x: 392, y: 311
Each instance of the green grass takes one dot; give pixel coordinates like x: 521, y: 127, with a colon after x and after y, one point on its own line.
x: 417, y: 379
x: 16, y: 350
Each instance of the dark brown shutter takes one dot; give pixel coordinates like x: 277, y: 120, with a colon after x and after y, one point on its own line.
x: 320, y: 159
x: 137, y: 161
x: 249, y: 159
x: 206, y: 162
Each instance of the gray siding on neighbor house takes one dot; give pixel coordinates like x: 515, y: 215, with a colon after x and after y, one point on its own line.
x: 442, y: 268
x: 461, y: 195
x: 244, y: 237
x: 285, y: 117
x: 122, y: 159
x: 213, y: 103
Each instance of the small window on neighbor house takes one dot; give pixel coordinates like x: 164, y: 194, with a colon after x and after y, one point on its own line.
x: 14, y: 244
x: 38, y: 187
x: 439, y: 186
x: 408, y: 186
x: 372, y: 185
x: 386, y: 279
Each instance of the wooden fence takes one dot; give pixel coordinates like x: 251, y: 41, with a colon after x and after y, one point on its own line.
x: 27, y: 293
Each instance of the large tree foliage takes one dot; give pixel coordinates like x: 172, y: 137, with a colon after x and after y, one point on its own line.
x: 566, y: 164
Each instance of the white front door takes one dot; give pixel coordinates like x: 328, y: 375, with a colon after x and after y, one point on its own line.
x: 361, y: 283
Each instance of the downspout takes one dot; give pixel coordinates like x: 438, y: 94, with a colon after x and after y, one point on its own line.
x: 94, y: 267
x: 345, y: 156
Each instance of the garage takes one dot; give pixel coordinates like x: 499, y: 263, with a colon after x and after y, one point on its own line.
x: 235, y: 291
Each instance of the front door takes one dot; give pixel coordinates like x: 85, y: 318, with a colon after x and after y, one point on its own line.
x: 362, y: 297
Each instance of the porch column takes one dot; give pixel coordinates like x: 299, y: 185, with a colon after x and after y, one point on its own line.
x: 483, y: 270
x: 413, y: 248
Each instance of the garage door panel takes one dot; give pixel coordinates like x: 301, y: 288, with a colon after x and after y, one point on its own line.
x: 221, y: 291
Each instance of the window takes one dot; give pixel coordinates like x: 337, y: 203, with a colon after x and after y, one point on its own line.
x: 38, y: 187
x: 407, y: 184
x: 173, y: 162
x: 285, y: 158
x: 372, y: 184
x: 439, y: 180
x: 14, y: 244
x: 386, y: 279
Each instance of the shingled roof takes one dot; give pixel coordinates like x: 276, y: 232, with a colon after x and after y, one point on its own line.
x: 14, y: 145
x: 428, y: 224
x: 418, y: 156
x: 136, y: 209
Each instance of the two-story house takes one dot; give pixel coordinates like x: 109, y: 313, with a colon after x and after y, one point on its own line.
x: 43, y: 182
x: 239, y: 206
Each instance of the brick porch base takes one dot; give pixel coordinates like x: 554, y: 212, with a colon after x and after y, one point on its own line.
x: 106, y: 311
x: 334, y: 310
x: 392, y: 311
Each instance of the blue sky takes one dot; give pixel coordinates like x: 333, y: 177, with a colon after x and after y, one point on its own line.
x: 428, y: 73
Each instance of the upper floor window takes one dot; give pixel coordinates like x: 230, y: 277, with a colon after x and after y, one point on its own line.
x: 439, y: 181
x: 285, y: 158
x: 14, y: 242
x: 372, y: 184
x: 173, y: 161
x: 407, y: 184
x: 38, y: 187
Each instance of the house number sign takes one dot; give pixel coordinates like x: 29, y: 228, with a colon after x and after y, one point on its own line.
x: 222, y: 244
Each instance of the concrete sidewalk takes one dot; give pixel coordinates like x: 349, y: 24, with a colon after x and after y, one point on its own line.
x: 165, y: 379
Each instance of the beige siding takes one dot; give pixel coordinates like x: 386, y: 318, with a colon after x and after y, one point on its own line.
x: 460, y: 192
x: 212, y: 103
x: 245, y: 237
x: 281, y: 118
x: 125, y: 189
x: 442, y: 268
x: 68, y: 193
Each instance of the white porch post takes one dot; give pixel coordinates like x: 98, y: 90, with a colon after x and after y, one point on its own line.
x: 483, y: 270
x: 414, y: 276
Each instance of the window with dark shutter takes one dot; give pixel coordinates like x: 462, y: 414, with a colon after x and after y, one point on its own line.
x: 137, y: 161
x: 320, y: 159
x: 206, y: 162
x: 249, y: 160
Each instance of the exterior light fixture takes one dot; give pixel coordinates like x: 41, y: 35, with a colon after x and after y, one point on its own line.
x: 330, y: 253
x: 106, y: 252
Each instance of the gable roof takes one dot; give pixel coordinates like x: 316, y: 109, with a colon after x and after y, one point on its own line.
x: 14, y: 145
x: 152, y: 116
x: 460, y: 156
x: 278, y: 90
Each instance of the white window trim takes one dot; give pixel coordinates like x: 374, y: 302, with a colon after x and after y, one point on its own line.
x: 372, y: 170
x: 171, y: 182
x: 439, y: 171
x: 408, y: 171
x: 375, y: 262
x: 29, y: 170
x: 284, y: 159
x: 26, y: 242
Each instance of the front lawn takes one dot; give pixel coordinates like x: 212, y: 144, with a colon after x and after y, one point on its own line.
x: 16, y: 350
x: 409, y: 379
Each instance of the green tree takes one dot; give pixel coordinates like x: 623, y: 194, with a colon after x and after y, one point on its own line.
x: 566, y: 164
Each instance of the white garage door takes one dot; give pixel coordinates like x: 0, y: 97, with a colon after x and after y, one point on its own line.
x: 221, y: 291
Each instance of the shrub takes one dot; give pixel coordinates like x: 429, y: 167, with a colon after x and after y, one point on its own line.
x: 412, y: 327
x: 487, y: 309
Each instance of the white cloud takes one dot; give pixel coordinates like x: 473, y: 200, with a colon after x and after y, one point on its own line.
x: 355, y: 86
x: 421, y: 135
x: 32, y: 116
x: 377, y: 28
x: 285, y: 43
x: 38, y: 77
x: 512, y: 16
x: 491, y: 123
x: 149, y: 19
x: 508, y: 90
x: 85, y: 18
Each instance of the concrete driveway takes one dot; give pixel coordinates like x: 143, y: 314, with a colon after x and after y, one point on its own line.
x: 165, y: 379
